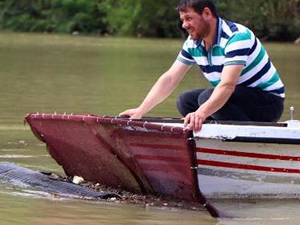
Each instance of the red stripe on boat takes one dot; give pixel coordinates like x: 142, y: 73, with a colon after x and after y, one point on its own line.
x: 247, y: 154
x: 246, y: 167
x: 158, y: 158
x: 156, y: 146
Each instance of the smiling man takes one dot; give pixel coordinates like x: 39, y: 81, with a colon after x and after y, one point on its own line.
x: 245, y: 84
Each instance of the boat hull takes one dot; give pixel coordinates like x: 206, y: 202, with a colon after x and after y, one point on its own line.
x: 248, y: 170
x: 220, y: 161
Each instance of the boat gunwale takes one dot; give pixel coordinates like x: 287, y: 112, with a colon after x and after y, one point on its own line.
x: 119, y: 121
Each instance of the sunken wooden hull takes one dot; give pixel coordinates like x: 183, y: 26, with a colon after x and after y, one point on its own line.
x: 132, y: 155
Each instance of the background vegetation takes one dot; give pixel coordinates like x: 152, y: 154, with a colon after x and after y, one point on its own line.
x: 275, y: 20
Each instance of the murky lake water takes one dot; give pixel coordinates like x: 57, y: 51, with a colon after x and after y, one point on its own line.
x: 49, y: 73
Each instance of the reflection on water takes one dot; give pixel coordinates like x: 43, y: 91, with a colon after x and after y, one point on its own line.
x: 28, y: 209
x: 266, y: 212
x: 50, y: 73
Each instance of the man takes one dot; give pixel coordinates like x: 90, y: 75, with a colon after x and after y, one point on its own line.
x: 246, y: 85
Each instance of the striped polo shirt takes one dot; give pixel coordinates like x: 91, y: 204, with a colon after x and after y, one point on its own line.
x: 234, y: 44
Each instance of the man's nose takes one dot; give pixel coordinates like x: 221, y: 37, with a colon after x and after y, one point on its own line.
x: 184, y: 24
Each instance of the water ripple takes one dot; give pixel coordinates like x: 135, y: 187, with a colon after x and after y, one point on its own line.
x: 9, y: 156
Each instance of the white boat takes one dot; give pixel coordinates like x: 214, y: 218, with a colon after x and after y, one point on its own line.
x: 249, y: 161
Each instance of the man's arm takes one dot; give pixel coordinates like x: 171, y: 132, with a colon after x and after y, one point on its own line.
x: 219, y: 97
x: 160, y: 90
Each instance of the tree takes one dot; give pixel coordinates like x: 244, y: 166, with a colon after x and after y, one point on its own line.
x: 269, y: 19
x: 141, y: 17
x: 63, y: 16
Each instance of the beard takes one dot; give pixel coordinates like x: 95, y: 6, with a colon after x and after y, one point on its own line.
x: 200, y: 32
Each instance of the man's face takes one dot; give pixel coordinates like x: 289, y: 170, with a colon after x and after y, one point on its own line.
x: 195, y: 24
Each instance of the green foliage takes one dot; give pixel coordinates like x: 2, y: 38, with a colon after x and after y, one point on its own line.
x: 141, y: 17
x: 269, y: 19
x: 65, y: 16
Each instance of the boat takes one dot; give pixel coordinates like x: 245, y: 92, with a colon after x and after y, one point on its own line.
x: 161, y: 156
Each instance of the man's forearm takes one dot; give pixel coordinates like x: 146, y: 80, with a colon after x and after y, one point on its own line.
x: 217, y: 100
x: 159, y: 92
x: 163, y: 87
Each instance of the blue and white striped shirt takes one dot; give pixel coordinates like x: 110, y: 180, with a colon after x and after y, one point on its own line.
x: 234, y: 44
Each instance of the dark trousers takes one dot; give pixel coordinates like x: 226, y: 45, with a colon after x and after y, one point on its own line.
x: 245, y: 104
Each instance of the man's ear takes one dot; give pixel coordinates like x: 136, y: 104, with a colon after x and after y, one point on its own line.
x: 207, y: 14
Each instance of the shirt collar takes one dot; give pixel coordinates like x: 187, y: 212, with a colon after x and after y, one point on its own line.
x: 218, y: 32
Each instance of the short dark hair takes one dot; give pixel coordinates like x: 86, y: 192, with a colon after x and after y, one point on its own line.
x: 197, y: 5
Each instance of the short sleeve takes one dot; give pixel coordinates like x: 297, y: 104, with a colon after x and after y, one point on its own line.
x: 184, y: 55
x: 238, y: 49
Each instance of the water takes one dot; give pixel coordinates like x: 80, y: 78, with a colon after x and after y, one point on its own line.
x: 73, y: 74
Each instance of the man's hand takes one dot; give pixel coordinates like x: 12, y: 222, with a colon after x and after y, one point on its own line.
x: 218, y: 98
x: 131, y: 113
x: 195, y: 120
